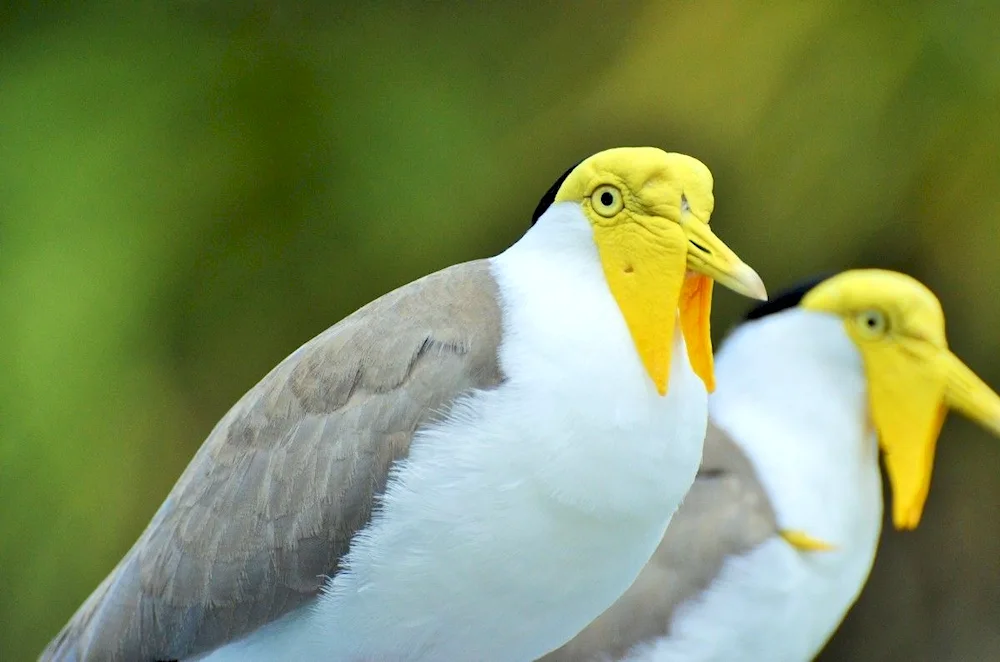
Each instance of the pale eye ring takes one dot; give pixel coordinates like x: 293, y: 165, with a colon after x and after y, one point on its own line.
x: 606, y: 200
x: 872, y: 322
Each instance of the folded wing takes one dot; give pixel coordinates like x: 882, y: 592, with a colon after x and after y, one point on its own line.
x: 270, y: 502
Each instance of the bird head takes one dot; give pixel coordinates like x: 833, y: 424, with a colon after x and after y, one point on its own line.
x: 913, y: 378
x: 649, y: 211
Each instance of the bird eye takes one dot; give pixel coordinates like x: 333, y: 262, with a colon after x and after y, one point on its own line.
x: 606, y: 201
x: 872, y: 323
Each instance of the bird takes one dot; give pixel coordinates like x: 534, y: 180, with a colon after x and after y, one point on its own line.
x: 776, y: 539
x: 426, y: 479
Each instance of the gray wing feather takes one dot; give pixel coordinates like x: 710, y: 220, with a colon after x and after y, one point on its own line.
x: 270, y: 502
x: 726, y: 513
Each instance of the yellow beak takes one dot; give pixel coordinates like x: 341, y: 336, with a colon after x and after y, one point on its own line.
x: 912, y: 385
x: 646, y: 266
x: 709, y: 256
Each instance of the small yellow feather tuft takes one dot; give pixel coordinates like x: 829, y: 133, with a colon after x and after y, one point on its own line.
x: 803, y: 542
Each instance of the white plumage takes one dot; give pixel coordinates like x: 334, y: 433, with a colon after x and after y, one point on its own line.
x: 776, y: 538
x: 428, y: 478
x: 538, y: 458
x: 791, y: 393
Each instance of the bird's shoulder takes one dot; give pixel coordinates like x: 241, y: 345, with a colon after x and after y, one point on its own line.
x: 269, y: 503
x: 727, y: 512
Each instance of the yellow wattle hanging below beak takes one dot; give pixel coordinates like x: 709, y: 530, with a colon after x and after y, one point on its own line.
x: 911, y: 387
x: 696, y: 314
x: 908, y: 433
x: 709, y: 260
x: 912, y: 376
x: 653, y: 275
x: 645, y: 272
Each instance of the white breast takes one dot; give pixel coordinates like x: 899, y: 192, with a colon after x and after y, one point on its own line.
x: 570, y: 469
x: 792, y: 394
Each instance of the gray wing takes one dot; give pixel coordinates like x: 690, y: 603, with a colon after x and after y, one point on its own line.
x: 727, y: 512
x: 270, y: 501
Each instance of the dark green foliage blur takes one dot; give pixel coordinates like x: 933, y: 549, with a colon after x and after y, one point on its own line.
x: 190, y: 190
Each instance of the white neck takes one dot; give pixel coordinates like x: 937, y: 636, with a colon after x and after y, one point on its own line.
x: 792, y: 392
x: 557, y: 302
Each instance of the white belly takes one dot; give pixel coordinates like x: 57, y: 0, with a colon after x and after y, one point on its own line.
x: 524, y: 515
x: 472, y: 561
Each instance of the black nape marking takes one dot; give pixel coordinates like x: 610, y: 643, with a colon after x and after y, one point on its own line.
x: 786, y: 299
x: 550, y: 195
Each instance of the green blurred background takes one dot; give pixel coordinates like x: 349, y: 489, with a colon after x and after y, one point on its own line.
x: 190, y: 190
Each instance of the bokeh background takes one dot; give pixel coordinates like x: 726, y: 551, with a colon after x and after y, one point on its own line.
x: 190, y: 190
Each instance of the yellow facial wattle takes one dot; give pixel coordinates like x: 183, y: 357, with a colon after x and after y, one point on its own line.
x: 696, y: 316
x: 645, y: 275
x: 906, y: 395
x: 913, y: 378
x: 649, y: 211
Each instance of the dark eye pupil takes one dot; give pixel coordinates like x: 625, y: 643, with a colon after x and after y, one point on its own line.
x: 607, y: 199
x: 872, y: 322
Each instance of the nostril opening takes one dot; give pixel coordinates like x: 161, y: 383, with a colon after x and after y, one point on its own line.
x: 700, y: 247
x: 629, y: 268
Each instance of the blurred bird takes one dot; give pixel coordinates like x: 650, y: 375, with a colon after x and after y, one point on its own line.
x: 427, y: 479
x: 776, y: 538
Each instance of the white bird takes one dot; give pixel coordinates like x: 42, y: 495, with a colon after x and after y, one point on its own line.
x: 775, y: 540
x: 427, y: 479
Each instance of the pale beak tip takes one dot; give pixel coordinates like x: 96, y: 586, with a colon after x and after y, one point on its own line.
x: 753, y: 284
x: 990, y: 424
